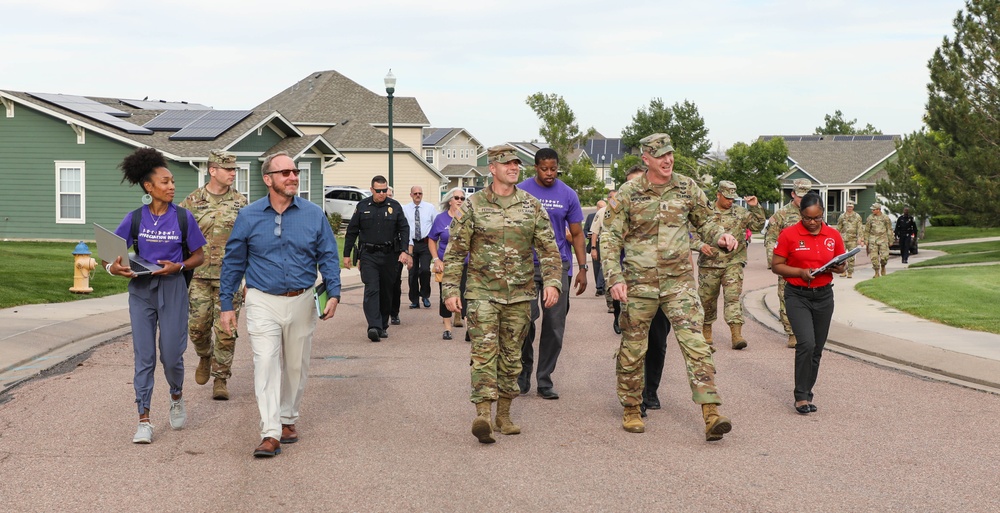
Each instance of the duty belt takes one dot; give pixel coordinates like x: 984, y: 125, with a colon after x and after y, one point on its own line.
x: 385, y: 247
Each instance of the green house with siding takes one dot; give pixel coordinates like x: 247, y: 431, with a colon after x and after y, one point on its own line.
x: 842, y: 168
x: 59, y: 157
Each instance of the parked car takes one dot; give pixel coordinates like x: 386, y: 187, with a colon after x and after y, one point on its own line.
x: 343, y: 199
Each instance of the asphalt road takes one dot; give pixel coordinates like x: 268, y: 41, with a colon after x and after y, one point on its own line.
x: 386, y: 427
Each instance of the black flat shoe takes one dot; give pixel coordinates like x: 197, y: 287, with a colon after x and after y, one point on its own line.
x: 547, y: 393
x: 803, y: 410
x: 616, y: 327
x: 813, y: 408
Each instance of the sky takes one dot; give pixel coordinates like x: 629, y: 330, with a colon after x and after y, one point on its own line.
x: 752, y: 67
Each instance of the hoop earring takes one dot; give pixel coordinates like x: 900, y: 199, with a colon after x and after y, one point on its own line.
x: 147, y: 199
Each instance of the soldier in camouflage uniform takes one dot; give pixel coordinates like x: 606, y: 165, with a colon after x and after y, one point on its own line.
x: 498, y: 228
x: 214, y: 206
x: 785, y: 216
x: 719, y: 269
x: 650, y: 219
x: 849, y: 225
x: 876, y: 236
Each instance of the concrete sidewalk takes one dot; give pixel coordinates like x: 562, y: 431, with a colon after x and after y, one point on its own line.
x: 34, y: 338
x: 868, y: 329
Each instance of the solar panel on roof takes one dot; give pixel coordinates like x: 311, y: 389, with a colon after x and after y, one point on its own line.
x: 173, y: 120
x: 162, y: 105
x: 843, y: 138
x: 436, y: 137
x: 211, y: 125
x: 864, y: 137
x: 93, y: 110
x: 883, y: 138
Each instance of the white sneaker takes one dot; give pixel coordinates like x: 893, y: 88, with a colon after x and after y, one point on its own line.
x: 178, y: 414
x: 144, y: 434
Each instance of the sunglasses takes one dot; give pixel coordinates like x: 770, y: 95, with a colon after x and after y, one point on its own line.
x: 381, y: 191
x: 286, y: 172
x: 459, y: 198
x: 277, y: 225
x: 416, y: 194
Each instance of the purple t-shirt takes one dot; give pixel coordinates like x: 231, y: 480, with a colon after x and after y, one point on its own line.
x: 160, y: 236
x: 440, y: 234
x: 563, y: 207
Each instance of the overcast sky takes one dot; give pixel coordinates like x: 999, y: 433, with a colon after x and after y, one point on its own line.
x: 751, y: 67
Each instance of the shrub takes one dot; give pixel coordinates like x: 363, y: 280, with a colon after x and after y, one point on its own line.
x: 948, y: 220
x: 335, y: 221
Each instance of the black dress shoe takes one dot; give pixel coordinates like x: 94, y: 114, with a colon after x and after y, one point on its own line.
x: 383, y: 333
x: 394, y: 320
x: 599, y: 292
x: 803, y: 410
x: 616, y: 327
x: 467, y: 337
x: 813, y: 408
x: 414, y: 305
x: 373, y: 334
x: 524, y: 383
x: 651, y: 401
x: 447, y: 335
x: 547, y: 393
x: 427, y: 302
x: 642, y: 410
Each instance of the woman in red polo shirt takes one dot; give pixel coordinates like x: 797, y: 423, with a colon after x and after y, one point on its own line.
x: 801, y: 248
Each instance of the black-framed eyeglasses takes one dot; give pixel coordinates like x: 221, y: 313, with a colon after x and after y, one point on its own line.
x: 816, y: 219
x: 286, y: 172
x: 277, y: 227
x: 381, y: 191
x: 459, y: 198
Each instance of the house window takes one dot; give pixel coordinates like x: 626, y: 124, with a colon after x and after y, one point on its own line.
x: 852, y: 195
x: 306, y: 168
x: 429, y: 156
x: 242, y: 182
x: 70, y: 201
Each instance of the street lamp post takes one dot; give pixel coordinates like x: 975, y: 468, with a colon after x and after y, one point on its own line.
x: 390, y: 87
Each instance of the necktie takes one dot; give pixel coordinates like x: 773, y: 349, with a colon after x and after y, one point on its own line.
x: 416, y: 221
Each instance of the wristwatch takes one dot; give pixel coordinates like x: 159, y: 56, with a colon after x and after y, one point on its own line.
x: 583, y: 267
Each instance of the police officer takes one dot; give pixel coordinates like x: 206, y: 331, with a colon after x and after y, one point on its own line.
x: 378, y: 225
x: 650, y: 219
x: 214, y: 207
x: 497, y: 229
x: 906, y: 232
x: 876, y: 239
x: 849, y: 225
x: 784, y: 217
x: 724, y: 270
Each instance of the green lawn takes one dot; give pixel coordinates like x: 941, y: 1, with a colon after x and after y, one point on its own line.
x: 42, y: 272
x: 971, y: 253
x: 942, y: 233
x: 963, y: 297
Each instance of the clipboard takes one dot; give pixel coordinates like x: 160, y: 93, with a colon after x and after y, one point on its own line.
x: 321, y: 297
x: 837, y: 260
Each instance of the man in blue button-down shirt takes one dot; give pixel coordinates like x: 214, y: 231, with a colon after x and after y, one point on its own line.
x: 277, y: 243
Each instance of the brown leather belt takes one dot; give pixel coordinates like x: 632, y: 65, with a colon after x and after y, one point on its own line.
x: 292, y: 293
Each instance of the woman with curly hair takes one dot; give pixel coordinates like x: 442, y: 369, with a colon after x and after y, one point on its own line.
x: 157, y: 300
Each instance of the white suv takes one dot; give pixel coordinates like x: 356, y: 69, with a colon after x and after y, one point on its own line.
x: 343, y: 199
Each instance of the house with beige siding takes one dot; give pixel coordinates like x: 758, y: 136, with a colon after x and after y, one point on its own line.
x: 455, y: 152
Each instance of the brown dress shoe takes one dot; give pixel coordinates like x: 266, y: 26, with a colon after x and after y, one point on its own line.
x: 288, y: 434
x: 268, y: 448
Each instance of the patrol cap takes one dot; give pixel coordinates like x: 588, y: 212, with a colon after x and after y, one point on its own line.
x: 502, y: 154
x: 801, y: 186
x: 657, y: 145
x: 222, y: 159
x: 727, y: 189
x: 876, y: 206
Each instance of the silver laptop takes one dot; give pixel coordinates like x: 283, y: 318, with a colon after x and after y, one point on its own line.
x: 110, y: 246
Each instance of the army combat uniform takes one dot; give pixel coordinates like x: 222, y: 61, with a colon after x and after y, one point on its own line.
x: 785, y: 216
x: 725, y: 269
x: 877, y: 235
x: 498, y: 233
x: 850, y: 225
x: 215, y: 216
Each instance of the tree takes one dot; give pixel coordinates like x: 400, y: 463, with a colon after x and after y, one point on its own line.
x: 907, y: 184
x: 837, y: 125
x: 962, y: 167
x: 581, y: 176
x: 622, y: 166
x: 682, y: 122
x: 559, y: 127
x: 754, y: 168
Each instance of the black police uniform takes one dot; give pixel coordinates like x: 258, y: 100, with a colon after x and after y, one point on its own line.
x: 378, y: 228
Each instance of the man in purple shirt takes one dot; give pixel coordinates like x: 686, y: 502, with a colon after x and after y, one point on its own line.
x: 563, y: 207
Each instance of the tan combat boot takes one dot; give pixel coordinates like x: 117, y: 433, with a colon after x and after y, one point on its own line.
x: 883, y: 269
x: 706, y: 330
x: 791, y: 340
x: 632, y: 420
x: 204, y: 369
x: 481, y: 427
x: 715, y: 424
x: 458, y: 323
x: 503, y: 423
x: 219, y: 390
x: 738, y: 341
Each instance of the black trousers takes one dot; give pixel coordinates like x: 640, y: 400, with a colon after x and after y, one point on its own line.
x: 656, y: 352
x: 420, y: 274
x: 397, y: 291
x: 378, y: 272
x: 905, y: 242
x: 809, y: 312
x: 444, y: 312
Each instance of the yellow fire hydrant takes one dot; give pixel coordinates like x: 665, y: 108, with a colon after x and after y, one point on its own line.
x: 83, y: 264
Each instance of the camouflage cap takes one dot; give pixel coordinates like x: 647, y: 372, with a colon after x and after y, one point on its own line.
x: 876, y: 206
x: 850, y: 203
x: 222, y: 159
x: 801, y: 186
x: 502, y: 153
x: 657, y: 145
x: 727, y: 189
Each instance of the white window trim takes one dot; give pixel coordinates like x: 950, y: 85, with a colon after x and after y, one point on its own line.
x: 429, y: 156
x: 306, y: 168
x: 64, y: 164
x: 243, y: 167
